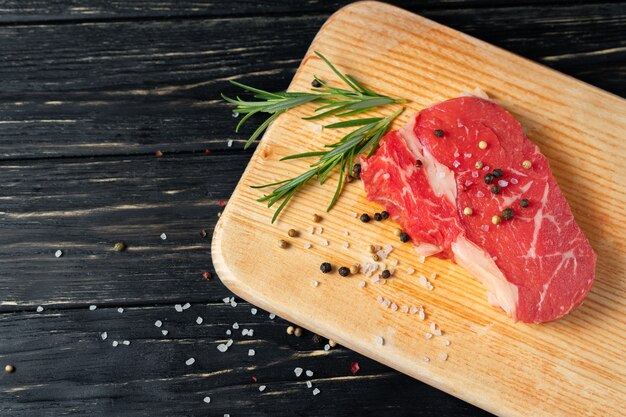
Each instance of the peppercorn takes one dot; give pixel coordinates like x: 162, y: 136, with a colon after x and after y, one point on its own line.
x: 292, y: 233
x: 495, y: 189
x: 297, y: 332
x: 356, y: 170
x: 290, y: 330
x: 498, y: 173
x: 371, y: 248
x: 325, y: 267
x: 524, y: 202
x: 418, y: 163
x: 479, y: 165
x: 9, y: 369
x: 488, y: 178
x: 384, y: 215
x: 375, y: 258
x: 316, y: 83
x: 468, y: 211
x: 482, y: 144
x: 397, y: 232
x: 354, y: 269
x: 349, y: 178
x: 203, y: 233
x: 508, y: 213
x: 317, y: 339
x: 317, y: 218
x: 385, y: 274
x: 119, y: 247
x: 438, y: 133
x: 158, y: 154
x: 365, y: 217
x: 344, y: 271
x: 378, y: 217
x: 527, y: 164
x: 404, y: 237
x: 283, y: 244
x: 496, y: 219
x: 332, y: 343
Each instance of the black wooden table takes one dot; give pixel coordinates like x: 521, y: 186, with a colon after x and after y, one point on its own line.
x: 90, y: 90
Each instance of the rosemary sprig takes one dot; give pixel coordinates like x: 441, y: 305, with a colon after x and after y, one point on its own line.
x: 341, y: 153
x: 334, y: 101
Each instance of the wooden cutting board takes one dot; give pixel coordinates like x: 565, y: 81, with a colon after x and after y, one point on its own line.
x: 572, y: 367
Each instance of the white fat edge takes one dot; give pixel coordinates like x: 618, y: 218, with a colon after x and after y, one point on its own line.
x: 440, y: 177
x: 477, y: 262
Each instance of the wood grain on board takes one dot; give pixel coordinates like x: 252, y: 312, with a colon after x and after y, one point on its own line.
x: 573, y: 366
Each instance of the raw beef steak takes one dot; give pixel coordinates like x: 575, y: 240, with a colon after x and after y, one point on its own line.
x: 536, y: 263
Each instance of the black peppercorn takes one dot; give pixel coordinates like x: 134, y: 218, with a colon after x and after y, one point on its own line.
x: 318, y: 339
x: 404, y: 237
x: 438, y: 133
x: 524, y: 202
x: 508, y: 213
x: 378, y: 217
x: 356, y: 171
x: 495, y: 189
x: 344, y: 271
x: 488, y: 178
x: 325, y: 267
x: 385, y: 274
x: 316, y: 83
x: 384, y: 215
x: 365, y: 217
x: 498, y: 173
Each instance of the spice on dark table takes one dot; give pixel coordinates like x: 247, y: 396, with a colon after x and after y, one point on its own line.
x: 119, y: 247
x: 325, y: 267
x: 344, y: 271
x: 206, y: 275
x: 365, y: 218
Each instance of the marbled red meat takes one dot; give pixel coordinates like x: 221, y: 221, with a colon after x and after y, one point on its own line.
x: 538, y: 265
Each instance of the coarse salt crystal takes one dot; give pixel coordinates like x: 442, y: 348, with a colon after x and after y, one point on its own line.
x: 235, y: 325
x: 480, y: 194
x: 376, y: 278
x: 386, y: 303
x: 433, y: 326
x: 199, y: 320
x: 39, y: 309
x: 229, y: 342
x: 404, y: 309
x: 421, y: 259
x: 226, y: 300
x: 120, y: 310
x: 456, y: 163
x: 251, y: 352
x: 380, y: 340
x: 228, y: 332
x: 229, y: 143
x: 474, y: 174
x: 233, y: 303
x: 307, y: 246
x: 222, y: 347
x: 115, y: 343
x: 443, y: 356
x: 126, y: 342
x: 486, y: 168
x: 468, y: 183
x: 92, y: 307
x: 446, y: 342
x: 422, y: 315
x: 316, y: 391
x: 253, y: 311
x: 104, y: 335
x: 379, y: 299
x: 413, y: 310
x: 324, y: 242
x: 164, y: 332
x: 163, y: 236
x: 311, y: 229
x: 320, y: 230
x: 484, y: 227
x: 410, y: 271
x: 503, y: 183
x: 262, y: 388
x: 426, y: 359
x: 207, y: 400
x: 178, y: 308
x: 428, y: 336
x: 467, y: 155
x: 394, y: 307
x: 158, y: 323
x: 346, y: 233
x: 362, y: 284
x: 438, y: 332
x: 394, y: 262
x: 298, y: 371
x: 309, y: 373
x: 309, y: 384
x: 58, y: 253
x: 514, y: 181
x: 355, y: 215
x: 346, y: 245
x: 272, y: 316
x: 326, y: 347
x: 433, y: 275
x: 456, y: 154
x: 186, y: 306
x: 244, y: 332
x: 315, y: 283
x: 250, y: 332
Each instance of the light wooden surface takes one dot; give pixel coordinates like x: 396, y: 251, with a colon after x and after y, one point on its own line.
x: 572, y: 367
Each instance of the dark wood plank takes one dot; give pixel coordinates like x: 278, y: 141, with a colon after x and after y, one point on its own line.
x: 84, y: 206
x: 161, y: 91
x: 63, y: 367
x: 24, y: 11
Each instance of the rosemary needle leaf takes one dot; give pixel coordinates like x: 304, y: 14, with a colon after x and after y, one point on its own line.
x: 353, y: 122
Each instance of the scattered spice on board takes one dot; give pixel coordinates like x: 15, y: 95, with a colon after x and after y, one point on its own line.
x: 158, y: 154
x: 206, y: 275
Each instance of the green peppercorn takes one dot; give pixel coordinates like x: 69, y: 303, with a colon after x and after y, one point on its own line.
x: 325, y: 267
x: 498, y: 173
x: 495, y: 189
x: 378, y: 217
x: 344, y: 271
x: 524, y: 202
x: 365, y: 217
x: 384, y: 215
x: 385, y: 274
x: 316, y: 83
x: 488, y: 178
x: 119, y: 247
x: 508, y: 213
x: 438, y: 133
x: 404, y: 237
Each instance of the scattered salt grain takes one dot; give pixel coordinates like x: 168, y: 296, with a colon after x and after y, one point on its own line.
x: 307, y: 246
x: 58, y: 253
x: 316, y: 391
x: 309, y: 384
x: 438, y: 332
x: 126, y: 342
x: 433, y: 276
x: 474, y: 174
x: 244, y: 332
x: 39, y: 309
x: 428, y: 336
x: 503, y: 183
x: 309, y: 373
x: 235, y: 325
x: 422, y: 315
x: 186, y: 306
x: 514, y: 181
x: 315, y: 283
x: 480, y: 194
x: 250, y: 332
x: 380, y: 340
x: 394, y: 262
x: 421, y: 259
x: 410, y: 270
x: 486, y: 168
x: 233, y: 303
x: 298, y: 371
x: 251, y: 352
x: 468, y: 183
x: 207, y: 400
x: 346, y: 233
x: 467, y: 155
x: 229, y: 143
x: 320, y: 230
x: 92, y: 307
x: 426, y: 359
x: 355, y: 215
x: 222, y: 347
x: 484, y: 227
x: 229, y: 342
x: 324, y: 242
x: 413, y: 310
x: 456, y: 163
x: 346, y: 245
x: 120, y: 310
x: 253, y: 311
x: 311, y: 229
x: 104, y: 335
x: 226, y: 300
x: 326, y: 347
x: 433, y: 326
x: 446, y: 342
x: 163, y: 236
x: 379, y: 299
x: 228, y: 332
x: 386, y: 303
x: 164, y: 332
x: 456, y: 154
x: 272, y: 316
x: 262, y: 388
x: 178, y: 308
x: 158, y: 323
x: 404, y: 309
x: 199, y: 320
x: 443, y: 356
x: 115, y: 343
x: 394, y: 307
